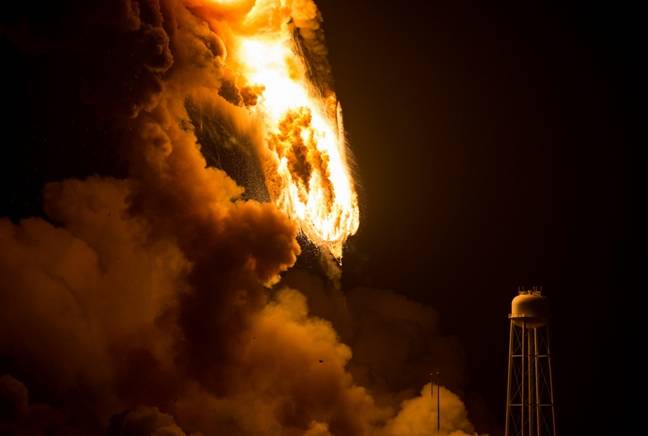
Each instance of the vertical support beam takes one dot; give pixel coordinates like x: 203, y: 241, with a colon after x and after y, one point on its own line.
x: 523, y: 379
x: 509, y: 400
x: 551, y: 385
x: 537, y: 382
x: 530, y: 381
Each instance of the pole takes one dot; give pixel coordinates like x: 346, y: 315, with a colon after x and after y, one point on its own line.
x: 438, y: 403
x: 435, y: 377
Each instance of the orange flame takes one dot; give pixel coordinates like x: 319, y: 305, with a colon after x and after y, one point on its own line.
x: 305, y: 154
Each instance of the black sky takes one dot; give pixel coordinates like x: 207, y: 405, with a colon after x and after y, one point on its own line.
x: 491, y: 143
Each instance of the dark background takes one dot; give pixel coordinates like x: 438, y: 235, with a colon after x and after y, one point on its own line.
x: 491, y: 143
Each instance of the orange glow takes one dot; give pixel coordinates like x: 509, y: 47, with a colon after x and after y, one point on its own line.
x: 228, y: 2
x: 305, y: 155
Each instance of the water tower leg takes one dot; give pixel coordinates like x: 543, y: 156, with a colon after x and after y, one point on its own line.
x: 530, y: 383
x: 522, y: 379
x: 551, y: 386
x: 537, y: 382
x: 509, y: 400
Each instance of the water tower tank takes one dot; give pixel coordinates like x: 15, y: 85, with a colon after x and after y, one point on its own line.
x: 529, y: 308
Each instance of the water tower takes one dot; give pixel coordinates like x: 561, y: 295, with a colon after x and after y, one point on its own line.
x: 529, y: 396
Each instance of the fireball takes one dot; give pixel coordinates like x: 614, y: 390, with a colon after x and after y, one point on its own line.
x: 304, y: 153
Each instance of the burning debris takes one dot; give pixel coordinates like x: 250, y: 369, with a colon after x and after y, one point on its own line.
x: 303, y: 155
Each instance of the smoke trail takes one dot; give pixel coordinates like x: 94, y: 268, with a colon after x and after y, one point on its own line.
x: 145, y: 304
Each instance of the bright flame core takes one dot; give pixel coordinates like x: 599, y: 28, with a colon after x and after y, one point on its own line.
x: 305, y: 164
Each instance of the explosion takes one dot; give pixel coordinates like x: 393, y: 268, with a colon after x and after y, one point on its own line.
x: 304, y: 158
x: 153, y: 298
x: 306, y: 168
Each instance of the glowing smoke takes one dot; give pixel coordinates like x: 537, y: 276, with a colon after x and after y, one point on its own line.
x: 142, y: 304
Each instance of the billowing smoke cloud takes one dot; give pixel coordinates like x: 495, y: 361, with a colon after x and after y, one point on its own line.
x: 418, y: 413
x: 152, y: 304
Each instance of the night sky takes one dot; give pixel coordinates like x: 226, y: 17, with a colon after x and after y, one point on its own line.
x: 490, y: 144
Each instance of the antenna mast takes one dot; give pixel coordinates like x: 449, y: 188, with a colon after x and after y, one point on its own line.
x: 436, y: 381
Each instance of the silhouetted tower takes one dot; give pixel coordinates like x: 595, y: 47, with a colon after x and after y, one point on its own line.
x: 529, y: 396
